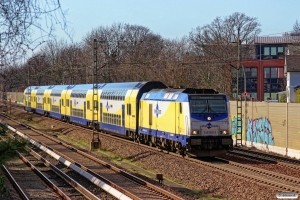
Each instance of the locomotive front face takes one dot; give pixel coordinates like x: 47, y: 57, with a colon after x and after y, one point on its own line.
x: 210, y: 126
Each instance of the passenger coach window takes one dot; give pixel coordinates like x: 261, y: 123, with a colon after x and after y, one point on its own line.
x: 88, y: 105
x: 67, y: 103
x: 62, y: 102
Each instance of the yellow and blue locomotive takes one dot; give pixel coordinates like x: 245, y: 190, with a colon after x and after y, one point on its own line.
x: 189, y: 121
x: 193, y: 121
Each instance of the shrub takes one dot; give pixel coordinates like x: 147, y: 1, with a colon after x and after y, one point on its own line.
x: 282, y: 98
x: 297, y: 96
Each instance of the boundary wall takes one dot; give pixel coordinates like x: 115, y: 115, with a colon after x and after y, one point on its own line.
x: 273, y: 127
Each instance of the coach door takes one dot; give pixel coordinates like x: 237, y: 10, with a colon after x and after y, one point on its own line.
x: 123, y: 120
x: 150, y: 117
x: 100, y: 116
x: 179, y: 118
x: 71, y: 108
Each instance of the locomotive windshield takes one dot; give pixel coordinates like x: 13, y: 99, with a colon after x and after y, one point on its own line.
x: 208, y: 104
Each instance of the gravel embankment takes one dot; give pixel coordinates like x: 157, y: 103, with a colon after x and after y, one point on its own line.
x: 210, y: 181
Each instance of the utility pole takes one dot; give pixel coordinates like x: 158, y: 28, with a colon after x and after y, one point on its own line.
x: 29, y: 117
x: 95, y: 143
x: 239, y: 113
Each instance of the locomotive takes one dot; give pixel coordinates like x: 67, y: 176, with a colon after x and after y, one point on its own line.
x: 192, y: 122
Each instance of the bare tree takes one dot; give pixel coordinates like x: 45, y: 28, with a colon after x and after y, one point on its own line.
x: 26, y: 24
x: 214, y: 41
x: 130, y: 47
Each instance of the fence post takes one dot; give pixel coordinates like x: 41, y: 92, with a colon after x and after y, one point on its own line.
x: 245, y: 121
x: 287, y: 129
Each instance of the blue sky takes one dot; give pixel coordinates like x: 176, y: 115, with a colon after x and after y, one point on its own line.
x: 174, y: 19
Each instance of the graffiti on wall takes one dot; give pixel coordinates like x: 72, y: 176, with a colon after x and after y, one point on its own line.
x: 260, y: 130
x: 234, y: 124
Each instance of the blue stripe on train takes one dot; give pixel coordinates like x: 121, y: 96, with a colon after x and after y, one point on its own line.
x: 113, y: 128
x: 78, y: 120
x: 40, y: 111
x: 166, y: 135
x: 55, y: 115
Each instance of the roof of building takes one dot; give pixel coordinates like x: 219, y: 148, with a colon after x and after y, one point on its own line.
x: 277, y: 40
x: 292, y: 63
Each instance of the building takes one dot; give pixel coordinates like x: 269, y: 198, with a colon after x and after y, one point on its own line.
x: 292, y: 73
x: 264, y: 75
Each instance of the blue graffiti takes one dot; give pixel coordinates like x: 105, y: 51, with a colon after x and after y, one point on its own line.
x: 260, y: 131
x: 234, y: 124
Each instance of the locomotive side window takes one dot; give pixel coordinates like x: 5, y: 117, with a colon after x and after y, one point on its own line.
x: 67, y: 102
x: 150, y: 114
x: 62, y: 102
x: 180, y: 108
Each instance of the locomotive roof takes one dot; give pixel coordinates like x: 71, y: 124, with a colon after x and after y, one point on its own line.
x: 172, y: 94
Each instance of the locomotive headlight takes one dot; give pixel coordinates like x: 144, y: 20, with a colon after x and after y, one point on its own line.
x: 208, y: 118
x: 224, y: 132
x: 194, y: 132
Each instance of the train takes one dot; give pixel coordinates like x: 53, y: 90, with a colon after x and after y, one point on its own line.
x: 193, y: 122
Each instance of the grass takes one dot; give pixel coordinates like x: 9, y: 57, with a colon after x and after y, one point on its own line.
x: 3, y: 189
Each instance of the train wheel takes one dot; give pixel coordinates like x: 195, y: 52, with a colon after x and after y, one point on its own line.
x: 172, y: 146
x: 152, y: 141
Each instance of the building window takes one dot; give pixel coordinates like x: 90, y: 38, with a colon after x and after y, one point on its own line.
x: 274, y: 82
x: 272, y: 52
x: 251, y: 81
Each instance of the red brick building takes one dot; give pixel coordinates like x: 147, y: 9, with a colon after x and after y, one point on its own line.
x: 264, y: 74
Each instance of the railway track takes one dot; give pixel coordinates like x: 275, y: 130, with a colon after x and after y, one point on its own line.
x: 98, y: 170
x: 56, y: 179
x: 257, y: 175
x: 29, y: 181
x: 268, y: 158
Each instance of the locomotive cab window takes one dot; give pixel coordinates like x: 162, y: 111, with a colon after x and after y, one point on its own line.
x: 208, y: 104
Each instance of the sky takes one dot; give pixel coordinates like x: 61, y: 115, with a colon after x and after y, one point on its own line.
x: 173, y: 19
